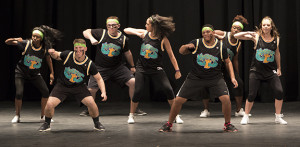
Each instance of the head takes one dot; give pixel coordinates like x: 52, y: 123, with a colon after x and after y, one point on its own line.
x: 160, y: 26
x: 267, y: 26
x: 238, y: 24
x: 37, y: 35
x: 79, y: 47
x: 112, y: 24
x: 46, y: 36
x: 208, y: 32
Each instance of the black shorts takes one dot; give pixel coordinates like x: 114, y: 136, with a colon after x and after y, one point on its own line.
x: 62, y: 92
x: 239, y: 91
x: 194, y: 87
x: 121, y: 75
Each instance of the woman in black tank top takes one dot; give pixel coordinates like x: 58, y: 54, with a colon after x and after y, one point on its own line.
x: 265, y: 66
x: 149, y: 63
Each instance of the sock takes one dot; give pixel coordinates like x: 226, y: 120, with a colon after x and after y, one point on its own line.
x: 48, y: 120
x: 96, y: 119
x: 169, y: 124
x: 131, y: 114
x: 226, y: 123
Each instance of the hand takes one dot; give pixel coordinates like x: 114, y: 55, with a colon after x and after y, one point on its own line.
x: 51, y: 78
x: 190, y: 46
x: 177, y: 75
x: 234, y: 82
x: 94, y: 41
x: 278, y: 72
x: 133, y: 70
x: 19, y: 39
x: 141, y: 35
x: 51, y: 51
x: 104, y: 96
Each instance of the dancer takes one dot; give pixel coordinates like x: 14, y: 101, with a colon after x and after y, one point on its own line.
x: 77, y: 68
x: 208, y: 54
x: 265, y: 66
x: 111, y: 46
x: 232, y: 45
x: 149, y: 64
x: 34, y: 51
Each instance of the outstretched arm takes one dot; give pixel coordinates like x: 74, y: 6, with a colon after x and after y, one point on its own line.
x: 168, y: 47
x: 101, y: 85
x: 229, y: 68
x: 88, y: 35
x: 129, y: 59
x: 133, y: 31
x: 49, y: 62
x: 13, y: 41
x: 219, y: 34
x: 246, y: 35
x: 185, y: 49
x: 54, y: 54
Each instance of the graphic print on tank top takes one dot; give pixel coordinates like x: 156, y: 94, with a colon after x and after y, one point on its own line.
x: 148, y: 51
x: 207, y: 61
x: 265, y: 55
x: 110, y: 49
x: 230, y: 54
x: 73, y: 75
x: 32, y: 62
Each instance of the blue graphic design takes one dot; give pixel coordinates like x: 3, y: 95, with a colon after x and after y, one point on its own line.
x: 32, y: 62
x: 230, y: 53
x: 148, y: 51
x: 73, y: 75
x: 265, y: 55
x: 207, y: 61
x: 110, y: 49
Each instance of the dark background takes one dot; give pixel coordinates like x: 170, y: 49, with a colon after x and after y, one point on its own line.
x: 19, y: 17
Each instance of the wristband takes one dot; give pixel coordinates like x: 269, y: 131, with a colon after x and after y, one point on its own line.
x: 178, y: 70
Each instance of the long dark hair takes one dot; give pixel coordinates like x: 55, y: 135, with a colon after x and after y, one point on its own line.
x: 50, y: 35
x: 162, y: 26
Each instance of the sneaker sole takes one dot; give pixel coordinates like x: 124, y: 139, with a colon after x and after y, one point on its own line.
x: 140, y: 114
x: 161, y: 130
x: 100, y: 130
x: 49, y: 129
x: 230, y: 131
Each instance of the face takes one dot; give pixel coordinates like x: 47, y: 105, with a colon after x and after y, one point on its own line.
x: 207, y: 35
x: 266, y: 26
x: 112, y: 26
x: 148, y: 25
x: 235, y: 29
x: 36, y: 38
x: 80, y: 51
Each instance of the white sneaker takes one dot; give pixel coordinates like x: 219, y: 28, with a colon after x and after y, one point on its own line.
x: 278, y: 119
x: 245, y: 119
x: 16, y: 119
x: 178, y: 120
x: 205, y: 113
x: 130, y: 119
x: 240, y: 113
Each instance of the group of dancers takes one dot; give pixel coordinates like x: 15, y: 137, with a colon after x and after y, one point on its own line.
x: 215, y: 68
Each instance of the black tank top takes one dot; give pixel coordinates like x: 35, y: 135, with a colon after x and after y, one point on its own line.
x: 263, y: 60
x: 231, y: 48
x: 151, y: 55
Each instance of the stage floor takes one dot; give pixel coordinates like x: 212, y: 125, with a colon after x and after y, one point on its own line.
x: 70, y: 129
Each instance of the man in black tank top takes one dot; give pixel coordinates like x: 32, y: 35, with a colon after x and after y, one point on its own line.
x: 206, y: 74
x: 112, y: 45
x: 265, y: 66
x: 77, y: 67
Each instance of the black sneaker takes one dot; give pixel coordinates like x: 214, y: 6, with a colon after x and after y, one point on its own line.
x: 230, y: 128
x: 45, y: 127
x: 99, y: 127
x: 84, y: 113
x: 166, y: 127
x: 140, y: 112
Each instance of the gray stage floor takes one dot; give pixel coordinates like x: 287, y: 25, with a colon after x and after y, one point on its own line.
x: 70, y: 129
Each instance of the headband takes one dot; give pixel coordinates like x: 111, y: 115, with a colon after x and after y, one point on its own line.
x: 206, y: 28
x: 38, y: 32
x: 113, y: 20
x: 152, y: 19
x: 79, y: 44
x: 239, y: 24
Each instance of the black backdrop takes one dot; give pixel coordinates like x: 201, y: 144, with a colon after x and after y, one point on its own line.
x: 74, y: 16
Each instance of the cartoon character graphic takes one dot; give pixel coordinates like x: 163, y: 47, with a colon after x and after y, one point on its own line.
x: 110, y: 49
x: 265, y: 55
x: 207, y: 61
x: 73, y: 75
x: 230, y: 53
x: 32, y: 62
x: 148, y: 51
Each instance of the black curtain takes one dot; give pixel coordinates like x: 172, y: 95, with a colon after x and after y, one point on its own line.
x: 74, y: 16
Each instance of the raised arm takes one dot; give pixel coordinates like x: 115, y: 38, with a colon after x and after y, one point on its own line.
x: 277, y: 59
x: 220, y: 34
x: 101, y: 85
x: 88, y: 35
x: 129, y: 59
x: 54, y: 54
x: 13, y: 41
x: 246, y: 36
x: 229, y: 69
x: 50, y: 65
x: 138, y: 32
x: 167, y: 46
x: 185, y: 49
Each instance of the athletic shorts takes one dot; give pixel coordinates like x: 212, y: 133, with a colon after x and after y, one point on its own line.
x: 193, y: 88
x: 62, y: 92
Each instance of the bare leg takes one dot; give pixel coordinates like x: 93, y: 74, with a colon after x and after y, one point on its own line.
x: 18, y: 106
x: 176, y: 107
x: 93, y: 92
x: 206, y: 103
x: 226, y: 107
x: 43, y: 105
x: 50, y: 106
x: 248, y: 106
x: 278, y: 106
x: 239, y: 101
x: 92, y: 107
x: 133, y: 106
